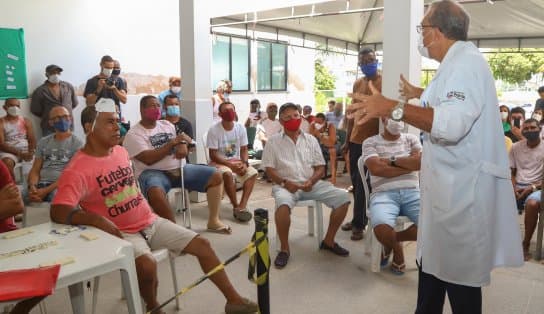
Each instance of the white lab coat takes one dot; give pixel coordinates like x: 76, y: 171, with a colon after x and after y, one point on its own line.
x: 468, y: 221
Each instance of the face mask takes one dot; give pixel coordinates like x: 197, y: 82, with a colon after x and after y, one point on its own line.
x: 228, y: 115
x: 62, y: 125
x: 53, y: 78
x: 292, y: 125
x: 14, y: 111
x: 504, y: 115
x: 226, y: 96
x: 394, y: 127
x: 369, y: 70
x: 173, y: 111
x: 116, y: 72
x: 175, y: 89
x: 152, y: 113
x: 107, y: 72
x: 531, y: 135
x: 537, y: 117
x: 424, y: 51
x: 318, y: 126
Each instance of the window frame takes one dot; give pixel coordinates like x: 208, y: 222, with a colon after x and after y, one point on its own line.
x: 214, y: 84
x: 286, y: 67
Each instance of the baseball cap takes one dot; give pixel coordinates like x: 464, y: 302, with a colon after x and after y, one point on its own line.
x: 52, y: 68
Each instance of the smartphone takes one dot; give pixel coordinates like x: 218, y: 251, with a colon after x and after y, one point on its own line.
x: 517, y: 123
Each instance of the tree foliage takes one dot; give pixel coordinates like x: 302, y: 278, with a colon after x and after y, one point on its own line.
x: 515, y: 67
x: 323, y: 80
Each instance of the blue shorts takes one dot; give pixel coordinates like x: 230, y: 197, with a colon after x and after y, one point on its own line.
x: 535, y: 196
x: 196, y: 178
x: 322, y: 191
x: 386, y: 206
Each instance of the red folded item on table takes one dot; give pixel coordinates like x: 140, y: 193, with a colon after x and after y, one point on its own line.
x: 26, y: 283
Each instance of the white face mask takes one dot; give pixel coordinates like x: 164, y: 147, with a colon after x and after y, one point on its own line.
x: 14, y: 111
x: 319, y: 126
x: 504, y: 115
x: 107, y: 72
x: 175, y: 89
x: 394, y: 127
x: 424, y: 51
x: 54, y: 78
x: 537, y: 117
x: 226, y: 96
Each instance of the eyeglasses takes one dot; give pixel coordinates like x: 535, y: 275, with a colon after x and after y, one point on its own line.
x: 420, y: 28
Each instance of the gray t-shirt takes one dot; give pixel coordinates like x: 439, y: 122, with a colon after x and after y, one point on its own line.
x: 527, y: 162
x: 55, y: 155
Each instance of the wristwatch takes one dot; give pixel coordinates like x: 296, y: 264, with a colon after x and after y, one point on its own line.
x: 392, y: 160
x: 398, y: 111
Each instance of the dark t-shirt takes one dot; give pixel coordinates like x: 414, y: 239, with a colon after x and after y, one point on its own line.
x: 539, y: 104
x: 92, y: 85
x: 183, y: 125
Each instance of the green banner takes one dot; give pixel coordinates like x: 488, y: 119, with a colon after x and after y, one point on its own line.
x: 13, y: 82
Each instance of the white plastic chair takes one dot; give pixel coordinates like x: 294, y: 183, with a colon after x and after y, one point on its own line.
x: 159, y: 256
x: 312, y: 206
x: 181, y: 201
x: 372, y: 245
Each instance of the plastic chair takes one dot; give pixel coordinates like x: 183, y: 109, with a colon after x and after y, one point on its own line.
x: 311, y: 205
x: 182, y: 203
x: 540, y: 227
x: 372, y: 245
x: 159, y: 256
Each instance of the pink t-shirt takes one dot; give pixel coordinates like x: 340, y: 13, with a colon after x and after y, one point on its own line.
x: 139, y: 139
x: 105, y: 186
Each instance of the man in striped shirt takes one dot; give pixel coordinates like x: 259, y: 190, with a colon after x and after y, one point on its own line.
x: 294, y: 162
x: 393, y: 159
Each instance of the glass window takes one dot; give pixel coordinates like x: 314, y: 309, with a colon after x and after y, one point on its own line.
x: 231, y: 61
x: 271, y: 66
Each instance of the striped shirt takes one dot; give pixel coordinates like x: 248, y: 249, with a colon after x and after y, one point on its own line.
x: 377, y: 146
x: 293, y: 161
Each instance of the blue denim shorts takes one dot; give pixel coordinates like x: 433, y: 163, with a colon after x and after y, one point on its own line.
x: 386, y: 206
x: 196, y: 178
x: 536, y: 196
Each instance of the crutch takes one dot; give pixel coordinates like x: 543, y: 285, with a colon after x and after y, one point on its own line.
x: 184, y: 202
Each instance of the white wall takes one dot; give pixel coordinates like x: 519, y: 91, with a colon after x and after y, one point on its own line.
x: 142, y: 35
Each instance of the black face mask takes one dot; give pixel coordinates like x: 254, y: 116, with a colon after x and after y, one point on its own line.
x: 531, y: 135
x: 116, y: 72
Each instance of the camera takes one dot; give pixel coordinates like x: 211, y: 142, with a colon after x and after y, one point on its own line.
x: 110, y: 81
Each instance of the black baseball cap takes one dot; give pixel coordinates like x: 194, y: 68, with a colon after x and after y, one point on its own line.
x: 52, y: 68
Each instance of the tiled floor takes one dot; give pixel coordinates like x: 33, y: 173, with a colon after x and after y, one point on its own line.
x: 313, y: 282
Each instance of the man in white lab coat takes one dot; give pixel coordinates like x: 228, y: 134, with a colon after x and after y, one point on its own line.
x: 467, y: 223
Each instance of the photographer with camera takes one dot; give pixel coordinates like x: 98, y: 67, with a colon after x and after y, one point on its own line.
x: 104, y: 85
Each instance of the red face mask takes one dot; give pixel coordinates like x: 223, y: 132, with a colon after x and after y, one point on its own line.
x: 292, y: 125
x: 152, y: 113
x: 228, y: 115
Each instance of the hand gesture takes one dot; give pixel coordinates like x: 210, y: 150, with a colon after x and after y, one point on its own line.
x: 407, y: 90
x: 367, y: 107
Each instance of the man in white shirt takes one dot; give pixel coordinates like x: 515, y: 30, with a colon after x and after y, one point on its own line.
x: 467, y: 226
x: 227, y: 145
x: 269, y: 125
x: 393, y: 159
x: 158, y: 155
x: 293, y: 161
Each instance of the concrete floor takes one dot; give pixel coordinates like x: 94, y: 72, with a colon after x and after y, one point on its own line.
x: 313, y: 281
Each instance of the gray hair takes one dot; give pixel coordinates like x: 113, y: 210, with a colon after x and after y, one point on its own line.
x: 450, y: 18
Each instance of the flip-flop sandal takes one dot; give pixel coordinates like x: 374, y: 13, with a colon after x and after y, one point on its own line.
x: 242, y: 215
x: 398, y: 269
x: 226, y: 229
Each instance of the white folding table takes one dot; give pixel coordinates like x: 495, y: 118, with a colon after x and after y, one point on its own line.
x: 91, y: 258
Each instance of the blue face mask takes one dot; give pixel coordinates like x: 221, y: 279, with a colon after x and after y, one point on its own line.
x: 370, y: 70
x: 62, y: 125
x: 173, y: 111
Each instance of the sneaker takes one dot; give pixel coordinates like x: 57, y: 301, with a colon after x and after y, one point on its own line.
x: 242, y: 215
x: 336, y: 249
x: 248, y: 307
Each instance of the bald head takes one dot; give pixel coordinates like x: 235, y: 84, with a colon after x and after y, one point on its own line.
x: 450, y: 18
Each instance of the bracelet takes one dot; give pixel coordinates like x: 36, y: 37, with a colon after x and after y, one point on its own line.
x: 71, y: 215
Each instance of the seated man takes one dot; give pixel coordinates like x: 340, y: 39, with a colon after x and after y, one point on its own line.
x: 227, y: 144
x: 53, y: 153
x: 293, y: 161
x: 98, y: 188
x: 269, y: 125
x: 17, y: 141
x: 526, y: 162
x: 158, y: 155
x: 393, y: 159
x: 526, y: 165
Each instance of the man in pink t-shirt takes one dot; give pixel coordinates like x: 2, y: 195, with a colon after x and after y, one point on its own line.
x: 98, y: 188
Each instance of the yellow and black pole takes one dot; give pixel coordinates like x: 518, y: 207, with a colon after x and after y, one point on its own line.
x: 261, y: 260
